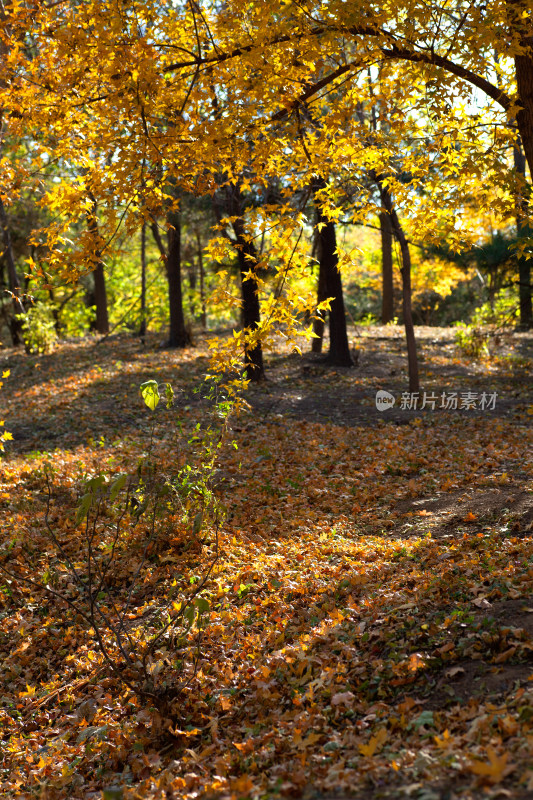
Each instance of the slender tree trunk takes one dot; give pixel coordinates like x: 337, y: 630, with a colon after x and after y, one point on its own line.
x: 387, y: 294
x: 251, y: 312
x: 12, y: 277
x: 100, y: 299
x: 178, y: 335
x: 386, y: 199
x: 159, y: 241
x: 142, y: 326
x: 203, y: 310
x: 523, y: 230
x: 191, y: 294
x: 100, y: 293
x: 339, y: 350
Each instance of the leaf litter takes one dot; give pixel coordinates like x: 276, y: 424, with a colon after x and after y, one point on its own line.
x: 354, y: 645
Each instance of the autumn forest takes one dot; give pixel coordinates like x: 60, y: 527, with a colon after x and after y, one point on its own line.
x: 266, y: 438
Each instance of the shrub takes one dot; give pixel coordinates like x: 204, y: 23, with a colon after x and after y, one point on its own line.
x: 152, y: 647
x: 472, y: 340
x: 39, y: 328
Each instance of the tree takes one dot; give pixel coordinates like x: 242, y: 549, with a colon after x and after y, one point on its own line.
x: 405, y: 270
x: 339, y: 349
x: 178, y: 335
x: 103, y: 82
x: 100, y: 293
x: 13, y: 278
x: 387, y: 283
x: 248, y: 265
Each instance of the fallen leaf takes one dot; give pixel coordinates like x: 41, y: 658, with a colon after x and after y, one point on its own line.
x: 494, y: 770
x: 375, y: 744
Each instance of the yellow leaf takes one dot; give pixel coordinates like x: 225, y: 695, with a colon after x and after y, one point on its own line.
x: 445, y: 740
x: 494, y: 770
x: 416, y: 661
x: 375, y: 744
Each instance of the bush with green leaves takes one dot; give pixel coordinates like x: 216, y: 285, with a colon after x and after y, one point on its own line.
x: 489, y: 322
x: 503, y: 312
x: 151, y: 645
x: 39, y: 328
x: 472, y: 340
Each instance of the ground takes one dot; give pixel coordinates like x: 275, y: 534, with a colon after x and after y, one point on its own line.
x: 370, y: 631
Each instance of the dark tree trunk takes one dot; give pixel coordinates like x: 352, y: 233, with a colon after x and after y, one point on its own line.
x: 179, y: 335
x: 524, y: 85
x: 386, y: 199
x: 339, y: 350
x: 12, y: 277
x: 387, y: 284
x: 100, y: 299
x: 100, y: 293
x: 523, y: 230
x: 142, y: 326
x: 251, y: 312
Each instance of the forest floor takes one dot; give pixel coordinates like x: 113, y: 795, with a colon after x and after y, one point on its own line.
x: 370, y: 622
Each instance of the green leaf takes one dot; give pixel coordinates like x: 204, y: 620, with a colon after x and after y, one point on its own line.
x: 425, y: 718
x: 84, y: 506
x: 197, y: 523
x: 150, y: 394
x: 202, y: 605
x: 117, y: 485
x: 189, y: 614
x: 95, y: 483
x: 113, y: 793
x: 169, y: 394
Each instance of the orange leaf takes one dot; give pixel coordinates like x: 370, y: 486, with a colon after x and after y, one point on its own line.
x: 494, y: 770
x: 416, y: 661
x: 375, y: 744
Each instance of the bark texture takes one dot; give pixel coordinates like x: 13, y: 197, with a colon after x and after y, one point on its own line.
x: 178, y: 333
x: 387, y: 284
x: 339, y: 351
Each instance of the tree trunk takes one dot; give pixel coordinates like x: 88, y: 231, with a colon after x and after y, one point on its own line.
x: 339, y: 350
x: 100, y: 293
x: 387, y: 294
x: 142, y: 326
x: 386, y: 199
x: 524, y: 85
x: 159, y: 242
x: 523, y: 230
x: 100, y: 299
x: 13, y: 278
x: 251, y: 312
x: 178, y: 336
